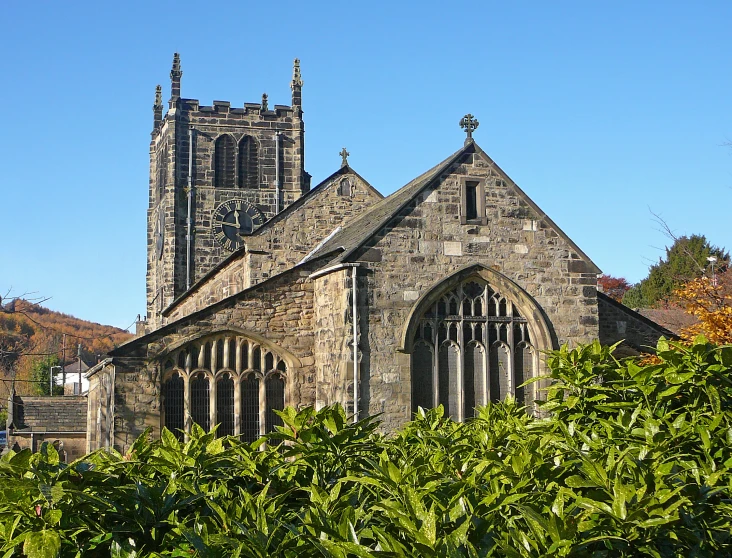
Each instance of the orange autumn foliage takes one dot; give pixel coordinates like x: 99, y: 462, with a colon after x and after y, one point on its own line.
x: 711, y: 302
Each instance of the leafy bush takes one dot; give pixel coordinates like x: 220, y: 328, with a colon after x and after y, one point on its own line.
x: 629, y: 460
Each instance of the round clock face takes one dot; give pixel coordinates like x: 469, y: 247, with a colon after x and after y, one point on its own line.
x: 158, y: 232
x: 235, y: 218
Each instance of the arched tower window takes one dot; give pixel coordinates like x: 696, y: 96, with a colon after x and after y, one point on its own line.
x: 248, y: 163
x: 224, y: 379
x: 224, y: 161
x: 471, y: 346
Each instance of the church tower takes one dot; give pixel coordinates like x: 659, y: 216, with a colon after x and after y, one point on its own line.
x: 216, y: 174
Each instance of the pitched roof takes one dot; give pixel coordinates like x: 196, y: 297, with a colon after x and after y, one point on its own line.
x: 294, y: 206
x: 361, y: 229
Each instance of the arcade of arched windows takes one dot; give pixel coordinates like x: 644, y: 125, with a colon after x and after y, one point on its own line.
x: 227, y: 380
x: 470, y: 347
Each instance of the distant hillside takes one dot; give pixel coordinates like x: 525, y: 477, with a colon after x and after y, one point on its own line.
x: 31, y: 333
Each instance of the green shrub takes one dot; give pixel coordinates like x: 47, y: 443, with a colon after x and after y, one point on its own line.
x: 629, y: 460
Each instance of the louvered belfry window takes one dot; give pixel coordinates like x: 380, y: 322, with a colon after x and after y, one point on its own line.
x: 242, y: 381
x: 224, y: 157
x: 471, y: 346
x: 248, y: 163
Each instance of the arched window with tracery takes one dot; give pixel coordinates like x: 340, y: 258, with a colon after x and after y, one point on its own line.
x: 248, y: 163
x: 224, y: 157
x: 471, y: 346
x: 227, y: 380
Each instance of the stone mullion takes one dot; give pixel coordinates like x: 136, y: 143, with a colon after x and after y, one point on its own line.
x: 187, y: 418
x: 262, y: 407
x: 226, y: 363
x: 237, y: 402
x: 435, y: 360
x: 214, y: 356
x: 237, y: 365
x: 212, y: 403
x: 511, y: 350
x: 202, y: 356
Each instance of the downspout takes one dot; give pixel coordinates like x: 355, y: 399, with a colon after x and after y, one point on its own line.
x: 355, y: 344
x: 189, y: 221
x: 277, y: 173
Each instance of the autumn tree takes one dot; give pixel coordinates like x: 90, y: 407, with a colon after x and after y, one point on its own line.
x: 710, y: 300
x: 614, y: 287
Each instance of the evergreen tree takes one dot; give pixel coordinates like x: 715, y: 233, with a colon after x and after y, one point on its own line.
x: 685, y: 260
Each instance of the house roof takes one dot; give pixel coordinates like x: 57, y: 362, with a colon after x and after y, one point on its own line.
x: 364, y: 227
x: 74, y: 367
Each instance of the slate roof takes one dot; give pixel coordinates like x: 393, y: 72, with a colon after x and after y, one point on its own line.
x: 241, y: 251
x: 373, y: 219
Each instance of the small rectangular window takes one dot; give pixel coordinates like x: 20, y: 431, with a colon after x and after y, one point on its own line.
x: 471, y: 200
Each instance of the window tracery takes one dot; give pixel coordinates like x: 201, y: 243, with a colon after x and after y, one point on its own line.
x: 471, y: 346
x: 226, y: 380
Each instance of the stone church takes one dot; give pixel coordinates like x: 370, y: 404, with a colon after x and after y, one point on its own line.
x: 264, y: 291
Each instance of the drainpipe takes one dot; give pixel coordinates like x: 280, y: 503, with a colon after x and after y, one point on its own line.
x: 189, y: 222
x: 355, y: 344
x: 277, y: 173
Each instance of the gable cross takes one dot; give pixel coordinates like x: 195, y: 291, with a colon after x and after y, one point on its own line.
x: 469, y: 124
x: 344, y: 155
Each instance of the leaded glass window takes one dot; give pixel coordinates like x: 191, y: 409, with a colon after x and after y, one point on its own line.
x: 226, y: 380
x: 471, y: 346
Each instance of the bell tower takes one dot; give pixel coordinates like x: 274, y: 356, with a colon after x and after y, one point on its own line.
x: 217, y: 173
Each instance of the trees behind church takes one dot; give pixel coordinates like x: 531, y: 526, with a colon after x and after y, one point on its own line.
x: 685, y: 260
x: 32, y: 336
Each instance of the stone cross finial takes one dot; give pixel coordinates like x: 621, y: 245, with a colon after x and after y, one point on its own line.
x: 296, y: 77
x: 344, y: 155
x: 265, y: 106
x: 469, y: 124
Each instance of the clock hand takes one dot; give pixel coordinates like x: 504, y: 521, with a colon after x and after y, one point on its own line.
x: 236, y: 217
x: 228, y: 224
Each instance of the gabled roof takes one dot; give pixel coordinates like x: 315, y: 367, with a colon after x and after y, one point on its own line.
x: 360, y: 230
x: 294, y: 206
x: 363, y: 227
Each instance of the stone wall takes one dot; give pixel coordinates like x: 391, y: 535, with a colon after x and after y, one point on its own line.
x: 333, y: 339
x: 169, y: 155
x: 282, y: 243
x: 58, y: 420
x: 280, y: 312
x: 620, y: 323
x: 427, y: 242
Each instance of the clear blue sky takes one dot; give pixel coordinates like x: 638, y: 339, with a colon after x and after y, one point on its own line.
x: 598, y: 110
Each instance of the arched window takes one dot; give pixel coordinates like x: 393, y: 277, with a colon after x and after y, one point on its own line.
x: 225, y: 405
x: 248, y: 163
x: 200, y: 400
x: 250, y: 408
x: 173, y: 404
x: 224, y: 161
x: 345, y: 187
x: 275, y: 393
x: 471, y: 346
x: 161, y: 164
x: 250, y: 384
